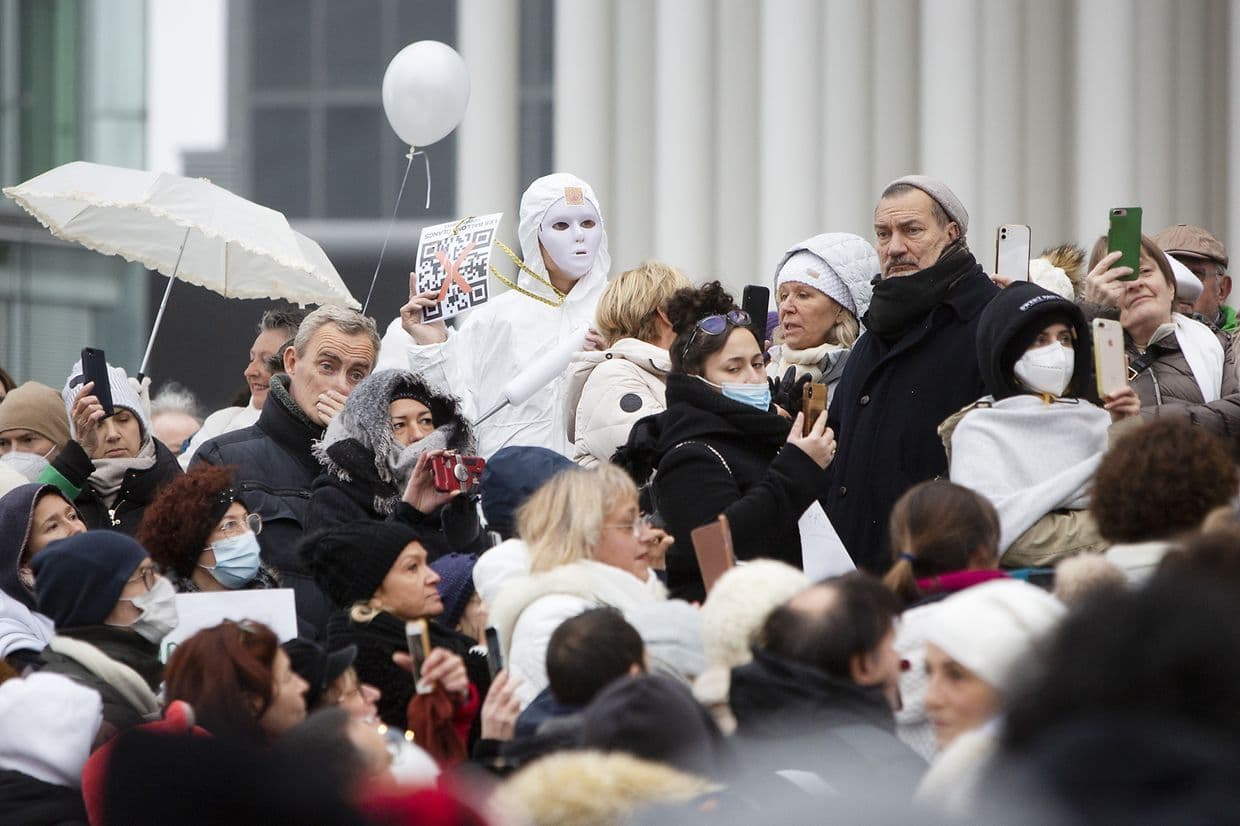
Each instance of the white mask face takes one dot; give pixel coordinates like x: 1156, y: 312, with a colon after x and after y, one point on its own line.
x: 570, y: 234
x: 1046, y: 369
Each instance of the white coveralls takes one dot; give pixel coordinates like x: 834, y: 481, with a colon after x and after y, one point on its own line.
x: 500, y: 338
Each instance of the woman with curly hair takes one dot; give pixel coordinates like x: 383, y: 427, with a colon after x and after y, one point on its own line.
x: 201, y: 536
x: 1155, y: 483
x: 239, y: 681
x: 721, y: 447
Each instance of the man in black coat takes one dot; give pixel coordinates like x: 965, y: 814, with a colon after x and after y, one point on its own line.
x: 915, y: 365
x: 334, y: 349
x: 818, y: 696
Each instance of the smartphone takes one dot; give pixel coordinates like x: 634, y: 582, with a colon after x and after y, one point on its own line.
x: 95, y: 368
x: 1012, y: 252
x: 712, y: 543
x: 813, y: 403
x: 495, y: 657
x: 417, y: 634
x: 756, y: 300
x: 1110, y: 365
x: 1124, y: 235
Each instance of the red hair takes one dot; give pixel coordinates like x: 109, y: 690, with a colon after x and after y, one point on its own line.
x: 224, y: 673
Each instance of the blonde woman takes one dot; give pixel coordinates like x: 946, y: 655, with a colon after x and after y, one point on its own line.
x: 611, y: 389
x: 589, y: 546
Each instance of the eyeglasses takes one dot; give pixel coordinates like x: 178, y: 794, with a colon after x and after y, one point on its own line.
x: 146, y: 576
x: 232, y: 527
x: 638, y: 526
x: 714, y: 325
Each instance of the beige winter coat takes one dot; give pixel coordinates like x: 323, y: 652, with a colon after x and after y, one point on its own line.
x: 608, y: 391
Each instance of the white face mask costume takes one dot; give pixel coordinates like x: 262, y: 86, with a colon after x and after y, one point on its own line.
x: 570, y: 234
x: 1047, y: 369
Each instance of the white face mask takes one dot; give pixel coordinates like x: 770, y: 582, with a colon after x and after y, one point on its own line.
x: 571, y: 234
x: 1046, y: 369
x: 159, y: 611
x: 30, y: 465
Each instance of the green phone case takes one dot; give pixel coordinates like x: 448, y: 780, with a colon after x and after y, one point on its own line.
x: 1125, y: 236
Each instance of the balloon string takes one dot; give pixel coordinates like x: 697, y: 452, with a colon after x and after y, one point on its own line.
x: 392, y: 222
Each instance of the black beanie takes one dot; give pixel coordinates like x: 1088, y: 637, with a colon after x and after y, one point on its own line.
x: 655, y: 718
x: 349, y: 561
x: 78, y: 580
x: 1012, y: 321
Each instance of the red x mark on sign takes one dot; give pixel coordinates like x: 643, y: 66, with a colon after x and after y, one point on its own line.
x: 452, y: 271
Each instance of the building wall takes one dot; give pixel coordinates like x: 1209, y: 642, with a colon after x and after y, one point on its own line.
x: 719, y: 132
x: 72, y: 87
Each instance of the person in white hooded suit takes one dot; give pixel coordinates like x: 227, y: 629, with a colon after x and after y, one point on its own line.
x: 563, y: 273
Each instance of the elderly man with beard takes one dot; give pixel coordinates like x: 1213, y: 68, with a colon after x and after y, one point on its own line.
x: 915, y: 365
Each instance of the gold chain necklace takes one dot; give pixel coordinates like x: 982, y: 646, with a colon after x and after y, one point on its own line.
x: 558, y: 301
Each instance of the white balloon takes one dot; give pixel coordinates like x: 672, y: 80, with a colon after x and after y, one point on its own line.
x: 425, y: 92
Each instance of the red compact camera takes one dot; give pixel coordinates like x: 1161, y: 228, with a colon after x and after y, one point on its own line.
x: 453, y: 472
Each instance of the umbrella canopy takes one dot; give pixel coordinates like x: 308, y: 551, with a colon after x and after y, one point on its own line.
x: 187, y: 228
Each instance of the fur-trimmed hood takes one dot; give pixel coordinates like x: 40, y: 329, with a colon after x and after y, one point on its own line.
x: 363, y: 430
x: 595, y: 582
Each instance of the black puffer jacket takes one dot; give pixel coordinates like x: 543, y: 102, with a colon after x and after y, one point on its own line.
x: 72, y: 469
x: 355, y: 484
x: 887, y: 408
x: 715, y: 455
x: 275, y: 469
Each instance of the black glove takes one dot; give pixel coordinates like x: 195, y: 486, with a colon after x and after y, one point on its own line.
x: 789, y: 392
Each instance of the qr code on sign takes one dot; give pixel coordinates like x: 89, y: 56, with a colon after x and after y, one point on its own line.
x: 453, y: 261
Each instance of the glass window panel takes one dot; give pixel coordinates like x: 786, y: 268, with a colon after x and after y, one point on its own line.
x: 281, y: 31
x: 353, y: 170
x: 353, y: 55
x: 281, y: 160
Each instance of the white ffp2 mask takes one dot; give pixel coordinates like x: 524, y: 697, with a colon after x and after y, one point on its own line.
x: 1046, y: 369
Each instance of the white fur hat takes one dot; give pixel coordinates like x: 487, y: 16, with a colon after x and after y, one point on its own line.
x: 739, y: 604
x: 995, y: 629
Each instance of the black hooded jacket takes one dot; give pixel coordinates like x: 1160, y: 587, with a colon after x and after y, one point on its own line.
x: 715, y: 455
x: 138, y: 488
x: 1010, y: 324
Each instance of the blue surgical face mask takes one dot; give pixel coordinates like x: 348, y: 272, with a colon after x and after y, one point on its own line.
x: 754, y: 395
x: 236, y: 560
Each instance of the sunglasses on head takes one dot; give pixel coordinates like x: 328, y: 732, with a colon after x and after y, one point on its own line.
x: 713, y: 325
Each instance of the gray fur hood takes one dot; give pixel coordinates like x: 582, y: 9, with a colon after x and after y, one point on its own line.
x: 364, y: 421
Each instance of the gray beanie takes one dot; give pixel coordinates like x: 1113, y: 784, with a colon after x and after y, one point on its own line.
x: 941, y: 194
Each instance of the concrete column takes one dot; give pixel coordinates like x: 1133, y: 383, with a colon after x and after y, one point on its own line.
x: 684, y: 146
x: 1047, y: 117
x: 846, y: 194
x: 1157, y: 136
x: 584, y: 92
x: 1003, y: 130
x: 1106, y: 113
x: 488, y: 155
x: 631, y: 217
x: 897, y: 106
x: 736, y: 148
x: 1188, y: 86
x: 790, y: 150
x: 950, y: 62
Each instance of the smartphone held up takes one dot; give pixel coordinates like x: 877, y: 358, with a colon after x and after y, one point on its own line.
x: 1124, y: 236
x: 1012, y: 252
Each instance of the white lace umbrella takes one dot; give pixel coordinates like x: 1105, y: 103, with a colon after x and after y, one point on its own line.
x: 186, y: 228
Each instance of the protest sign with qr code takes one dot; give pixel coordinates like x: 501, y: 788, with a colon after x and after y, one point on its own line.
x: 453, y: 261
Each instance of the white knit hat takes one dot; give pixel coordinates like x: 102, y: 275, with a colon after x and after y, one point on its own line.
x: 47, y: 725
x: 995, y: 629
x: 124, y: 394
x: 839, y: 265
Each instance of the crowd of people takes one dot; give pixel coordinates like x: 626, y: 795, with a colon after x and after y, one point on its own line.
x: 1035, y: 625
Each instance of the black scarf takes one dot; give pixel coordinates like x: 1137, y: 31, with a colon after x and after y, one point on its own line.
x: 900, y: 304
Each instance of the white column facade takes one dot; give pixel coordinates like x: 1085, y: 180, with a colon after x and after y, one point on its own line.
x: 719, y: 132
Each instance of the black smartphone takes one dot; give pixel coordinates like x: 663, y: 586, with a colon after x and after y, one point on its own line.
x: 95, y: 368
x: 756, y: 301
x: 495, y: 658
